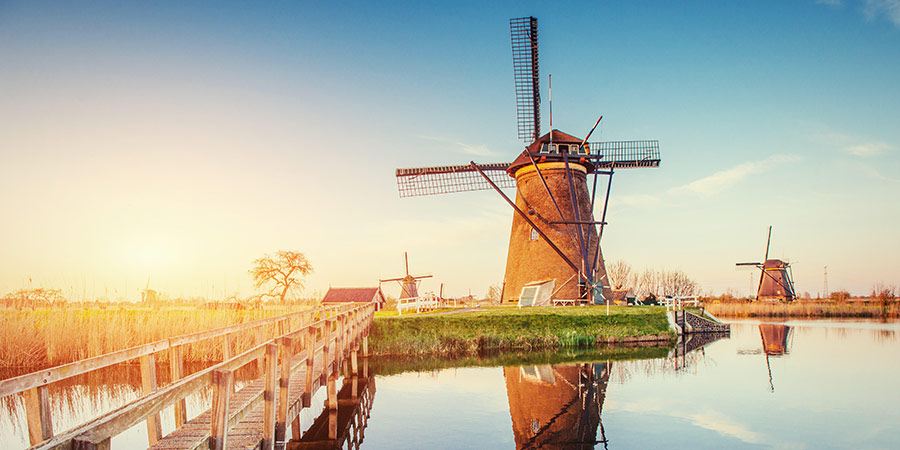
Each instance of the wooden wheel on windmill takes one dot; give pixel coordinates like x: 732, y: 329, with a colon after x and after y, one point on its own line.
x: 409, y: 285
x: 776, y: 279
x: 554, y: 235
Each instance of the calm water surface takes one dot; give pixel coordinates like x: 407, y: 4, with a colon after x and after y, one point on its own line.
x: 795, y: 384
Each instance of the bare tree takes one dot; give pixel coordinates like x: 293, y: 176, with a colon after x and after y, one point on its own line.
x: 619, y: 273
x: 493, y: 294
x: 676, y: 283
x: 33, y: 298
x: 648, y: 284
x: 282, y: 272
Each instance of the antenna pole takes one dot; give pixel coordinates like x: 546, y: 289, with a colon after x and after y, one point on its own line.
x: 550, y: 93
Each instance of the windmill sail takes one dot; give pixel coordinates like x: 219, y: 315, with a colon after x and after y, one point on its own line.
x: 434, y: 180
x: 625, y: 154
x: 523, y: 31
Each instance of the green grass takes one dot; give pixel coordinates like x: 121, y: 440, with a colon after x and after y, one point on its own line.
x: 512, y: 328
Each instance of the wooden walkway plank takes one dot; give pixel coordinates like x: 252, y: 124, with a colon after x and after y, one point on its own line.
x: 248, y: 432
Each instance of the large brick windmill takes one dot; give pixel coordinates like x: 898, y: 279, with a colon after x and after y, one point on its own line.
x: 554, y: 236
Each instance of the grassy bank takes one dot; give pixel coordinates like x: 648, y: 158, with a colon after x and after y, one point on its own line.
x: 513, y: 328
x: 49, y: 337
x: 807, y: 309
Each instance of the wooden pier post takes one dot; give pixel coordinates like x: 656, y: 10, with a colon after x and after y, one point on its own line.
x: 310, y: 359
x: 223, y: 384
x: 271, y: 374
x: 287, y: 353
x: 176, y: 372
x: 326, y: 347
x: 37, y: 411
x: 148, y: 385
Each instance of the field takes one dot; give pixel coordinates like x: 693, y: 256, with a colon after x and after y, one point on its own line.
x: 806, y: 308
x: 513, y: 328
x: 49, y: 337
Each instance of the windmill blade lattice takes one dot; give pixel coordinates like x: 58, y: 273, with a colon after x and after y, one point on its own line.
x: 420, y: 181
x: 625, y: 154
x: 523, y: 32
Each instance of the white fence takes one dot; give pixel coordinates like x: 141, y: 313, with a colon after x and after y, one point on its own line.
x: 424, y: 303
x: 677, y: 303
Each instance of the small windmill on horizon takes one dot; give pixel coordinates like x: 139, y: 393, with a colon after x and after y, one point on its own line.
x: 554, y: 233
x: 776, y: 281
x: 409, y: 285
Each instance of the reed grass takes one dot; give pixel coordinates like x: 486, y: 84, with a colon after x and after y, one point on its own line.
x: 42, y: 338
x: 806, y: 309
x: 513, y: 328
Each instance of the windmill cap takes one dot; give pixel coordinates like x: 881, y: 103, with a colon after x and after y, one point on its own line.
x: 559, y: 138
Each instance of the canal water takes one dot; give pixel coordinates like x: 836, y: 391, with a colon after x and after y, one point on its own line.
x: 794, y: 384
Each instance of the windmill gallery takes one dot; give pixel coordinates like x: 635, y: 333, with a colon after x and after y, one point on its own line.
x: 554, y: 245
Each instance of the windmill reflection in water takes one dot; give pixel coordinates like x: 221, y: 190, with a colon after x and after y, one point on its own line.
x: 776, y: 342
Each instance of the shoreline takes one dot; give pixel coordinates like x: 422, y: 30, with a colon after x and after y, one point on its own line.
x: 514, y: 329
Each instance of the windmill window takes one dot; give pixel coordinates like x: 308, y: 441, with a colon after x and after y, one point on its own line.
x: 534, y: 234
x: 552, y: 148
x: 544, y: 149
x: 563, y: 148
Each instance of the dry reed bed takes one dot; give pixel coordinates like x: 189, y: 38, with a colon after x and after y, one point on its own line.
x: 804, y: 309
x: 49, y: 337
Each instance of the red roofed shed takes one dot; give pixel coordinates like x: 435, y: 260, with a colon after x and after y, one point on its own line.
x: 355, y: 295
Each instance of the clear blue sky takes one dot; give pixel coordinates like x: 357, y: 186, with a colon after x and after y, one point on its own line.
x: 182, y: 141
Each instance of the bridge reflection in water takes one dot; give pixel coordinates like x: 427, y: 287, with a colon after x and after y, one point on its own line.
x: 341, y: 423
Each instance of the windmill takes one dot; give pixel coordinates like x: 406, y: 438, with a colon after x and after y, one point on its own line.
x: 554, y: 233
x: 776, y: 281
x: 409, y: 285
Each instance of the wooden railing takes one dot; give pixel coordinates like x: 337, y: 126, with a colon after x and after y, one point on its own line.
x: 346, y: 325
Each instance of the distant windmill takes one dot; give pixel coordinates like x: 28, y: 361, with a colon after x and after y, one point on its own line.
x: 554, y: 233
x: 149, y: 295
x: 776, y: 281
x: 409, y: 285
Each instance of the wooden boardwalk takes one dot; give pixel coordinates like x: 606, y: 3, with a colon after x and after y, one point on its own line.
x: 297, y: 354
x: 248, y: 433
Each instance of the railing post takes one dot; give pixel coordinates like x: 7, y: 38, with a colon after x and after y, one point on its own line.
x: 310, y: 360
x: 326, y: 348
x: 37, y: 411
x: 223, y: 381
x: 271, y: 374
x: 260, y: 338
x: 176, y: 372
x: 148, y: 385
x: 283, y: 384
x: 226, y: 348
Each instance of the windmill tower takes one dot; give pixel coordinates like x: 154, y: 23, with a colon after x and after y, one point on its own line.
x: 409, y: 285
x: 776, y: 281
x: 554, y: 234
